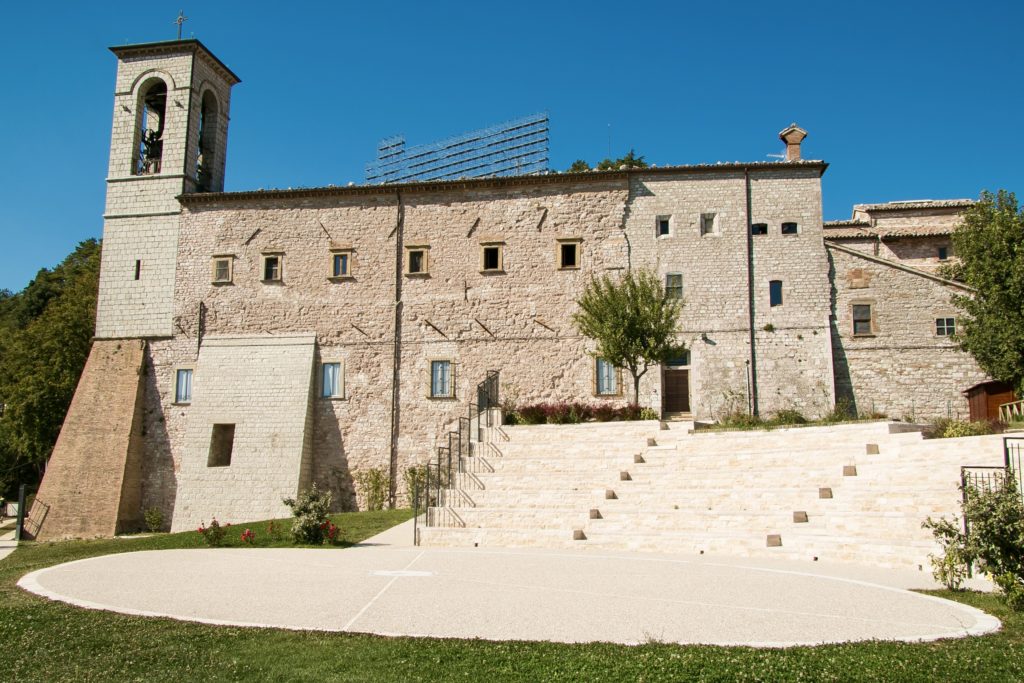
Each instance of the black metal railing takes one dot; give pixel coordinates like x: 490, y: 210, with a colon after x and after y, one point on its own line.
x: 443, y: 472
x: 1013, y: 450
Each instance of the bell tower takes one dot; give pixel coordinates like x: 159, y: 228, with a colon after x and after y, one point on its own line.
x: 171, y: 104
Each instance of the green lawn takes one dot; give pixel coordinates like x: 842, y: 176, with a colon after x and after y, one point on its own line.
x: 49, y: 641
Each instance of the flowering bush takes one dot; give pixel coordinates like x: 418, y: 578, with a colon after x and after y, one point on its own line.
x: 330, y: 531
x: 574, y: 412
x: 213, y: 534
x: 248, y: 537
x: 310, y: 510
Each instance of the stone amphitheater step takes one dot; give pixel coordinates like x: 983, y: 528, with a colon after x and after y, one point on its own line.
x: 716, y: 493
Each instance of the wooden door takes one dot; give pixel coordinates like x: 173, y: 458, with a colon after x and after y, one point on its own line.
x: 677, y: 391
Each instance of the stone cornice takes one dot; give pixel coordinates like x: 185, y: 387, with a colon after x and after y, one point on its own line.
x: 168, y: 47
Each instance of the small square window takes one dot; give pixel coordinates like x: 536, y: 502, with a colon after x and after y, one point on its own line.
x: 607, y: 382
x: 708, y: 224
x: 790, y: 229
x: 222, y: 443
x: 491, y: 258
x: 945, y: 327
x: 664, y: 228
x: 183, y: 386
x: 331, y: 384
x: 759, y: 229
x: 441, y: 379
x: 569, y: 254
x: 341, y: 264
x: 943, y: 253
x: 272, y: 267
x: 862, y: 320
x: 221, y: 268
x: 674, y: 286
x: 775, y: 293
x: 417, y: 260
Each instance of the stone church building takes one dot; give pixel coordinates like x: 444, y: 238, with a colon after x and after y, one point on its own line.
x: 251, y: 343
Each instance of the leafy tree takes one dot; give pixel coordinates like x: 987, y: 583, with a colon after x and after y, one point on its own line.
x: 990, y: 247
x: 45, y: 335
x: 632, y: 321
x: 630, y: 160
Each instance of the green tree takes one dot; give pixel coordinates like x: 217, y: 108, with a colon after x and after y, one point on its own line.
x: 45, y: 336
x: 989, y: 244
x: 630, y: 160
x: 632, y: 321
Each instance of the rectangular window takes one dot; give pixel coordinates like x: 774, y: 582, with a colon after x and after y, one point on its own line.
x: 222, y: 443
x: 682, y: 360
x: 759, y: 229
x: 491, y: 258
x: 943, y: 253
x: 272, y: 267
x: 341, y: 263
x: 440, y: 378
x: 674, y: 286
x: 607, y: 378
x: 707, y: 224
x: 861, y: 319
x: 664, y: 227
x: 790, y: 229
x: 775, y: 292
x: 330, y: 383
x: 945, y: 327
x: 417, y: 260
x: 569, y: 254
x: 221, y: 267
x: 183, y: 386
x: 138, y: 269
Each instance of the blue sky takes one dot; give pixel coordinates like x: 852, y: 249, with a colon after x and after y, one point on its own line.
x: 905, y: 100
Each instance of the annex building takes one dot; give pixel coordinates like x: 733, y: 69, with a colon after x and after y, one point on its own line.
x: 251, y: 343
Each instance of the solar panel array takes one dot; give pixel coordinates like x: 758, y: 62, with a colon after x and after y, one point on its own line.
x: 518, y: 147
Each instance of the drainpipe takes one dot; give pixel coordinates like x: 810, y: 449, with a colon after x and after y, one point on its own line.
x: 750, y: 296
x: 396, y: 367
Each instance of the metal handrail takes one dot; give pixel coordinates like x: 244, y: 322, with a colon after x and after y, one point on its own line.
x: 443, y: 472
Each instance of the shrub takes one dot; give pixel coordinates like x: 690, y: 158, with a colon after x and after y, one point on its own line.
x: 532, y: 414
x: 213, y: 534
x: 741, y: 420
x: 572, y: 412
x: 154, y: 519
x: 945, y: 428
x: 373, y: 484
x: 841, y: 412
x: 789, y: 417
x: 415, y: 480
x: 310, y: 510
x: 995, y: 541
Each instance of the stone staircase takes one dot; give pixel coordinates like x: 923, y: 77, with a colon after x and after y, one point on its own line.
x: 852, y: 493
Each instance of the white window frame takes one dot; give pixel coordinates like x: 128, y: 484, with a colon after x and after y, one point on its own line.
x: 603, y: 372
x: 338, y: 390
x: 179, y: 372
x: 443, y: 391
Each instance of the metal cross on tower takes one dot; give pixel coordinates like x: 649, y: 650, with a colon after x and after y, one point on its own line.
x: 180, y: 20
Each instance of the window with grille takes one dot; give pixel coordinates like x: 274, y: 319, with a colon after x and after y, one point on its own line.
x: 945, y: 327
x: 440, y: 379
x: 272, y: 267
x: 674, y: 286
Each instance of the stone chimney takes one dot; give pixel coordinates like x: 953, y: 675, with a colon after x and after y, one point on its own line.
x: 793, y: 136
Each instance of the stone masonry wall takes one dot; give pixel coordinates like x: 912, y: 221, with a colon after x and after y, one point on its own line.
x: 262, y: 385
x: 793, y: 355
x: 902, y: 369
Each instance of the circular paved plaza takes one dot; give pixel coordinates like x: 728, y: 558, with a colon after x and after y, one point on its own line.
x: 563, y: 596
